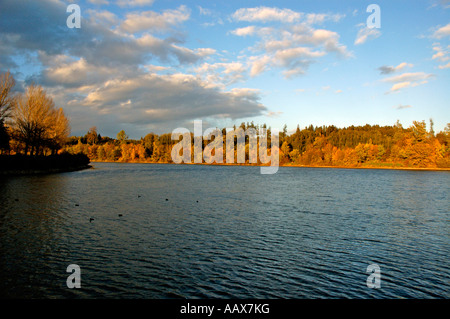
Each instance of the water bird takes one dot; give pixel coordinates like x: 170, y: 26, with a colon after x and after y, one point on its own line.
x: 167, y: 199
x: 120, y: 215
x: 91, y: 219
x: 17, y: 199
x: 77, y: 205
x: 139, y: 196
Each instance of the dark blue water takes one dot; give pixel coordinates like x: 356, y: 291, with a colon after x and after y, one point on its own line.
x: 225, y: 232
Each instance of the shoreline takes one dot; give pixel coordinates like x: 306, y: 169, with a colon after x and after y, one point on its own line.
x: 19, y: 165
x: 24, y: 172
x: 443, y: 169
x: 378, y: 167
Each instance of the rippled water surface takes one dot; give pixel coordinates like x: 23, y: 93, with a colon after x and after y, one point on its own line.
x: 189, y: 231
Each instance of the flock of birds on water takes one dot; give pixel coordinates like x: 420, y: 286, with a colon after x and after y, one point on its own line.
x: 91, y: 219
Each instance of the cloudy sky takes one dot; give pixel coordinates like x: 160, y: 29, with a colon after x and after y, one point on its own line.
x: 153, y: 65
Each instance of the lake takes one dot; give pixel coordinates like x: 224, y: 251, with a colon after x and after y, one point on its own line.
x: 195, y: 231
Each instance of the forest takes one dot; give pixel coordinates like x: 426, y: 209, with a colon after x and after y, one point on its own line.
x: 31, y: 124
x: 354, y: 146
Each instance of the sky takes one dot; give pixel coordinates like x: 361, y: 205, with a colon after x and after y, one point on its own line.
x: 152, y: 66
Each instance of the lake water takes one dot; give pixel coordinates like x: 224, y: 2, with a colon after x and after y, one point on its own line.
x: 225, y: 232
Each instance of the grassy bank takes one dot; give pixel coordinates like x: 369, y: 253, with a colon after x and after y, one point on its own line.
x: 25, y: 165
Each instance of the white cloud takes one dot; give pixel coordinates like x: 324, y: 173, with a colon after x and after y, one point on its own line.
x: 98, y: 1
x: 442, y: 32
x: 164, y: 49
x: 412, y: 77
x: 292, y: 45
x: 317, y: 18
x: 244, y: 31
x: 292, y: 48
x: 156, y: 68
x: 401, y: 107
x: 134, y: 3
x: 222, y: 74
x: 141, y: 102
x: 259, y: 64
x: 402, y: 66
x: 214, y: 17
x: 392, y: 69
x: 69, y: 72
x: 295, y: 60
x: 444, y: 3
x: 266, y: 14
x: 274, y: 113
x: 204, y: 11
x: 365, y: 33
x: 441, y: 55
x: 186, y: 55
x: 399, y: 86
x: 290, y: 55
x: 301, y: 35
x: 163, y: 101
x: 407, y: 80
x: 153, y: 21
x: 271, y: 14
x: 104, y: 18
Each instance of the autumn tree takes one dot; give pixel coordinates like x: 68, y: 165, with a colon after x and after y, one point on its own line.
x: 444, y: 140
x: 420, y: 151
x: 122, y: 136
x: 38, y: 123
x: 362, y: 152
x: 431, y: 127
x: 59, y: 131
x: 419, y: 130
x: 148, y: 141
x: 92, y: 136
x: 285, y: 149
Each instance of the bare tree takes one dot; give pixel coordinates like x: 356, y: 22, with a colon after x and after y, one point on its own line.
x: 7, y: 103
x: 7, y: 98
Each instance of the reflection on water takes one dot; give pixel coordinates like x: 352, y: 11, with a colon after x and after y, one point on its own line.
x: 188, y: 231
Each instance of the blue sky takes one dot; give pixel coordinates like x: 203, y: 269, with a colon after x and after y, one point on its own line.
x: 152, y: 66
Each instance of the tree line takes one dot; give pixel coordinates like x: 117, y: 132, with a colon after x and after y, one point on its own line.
x: 370, y: 145
x: 354, y: 146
